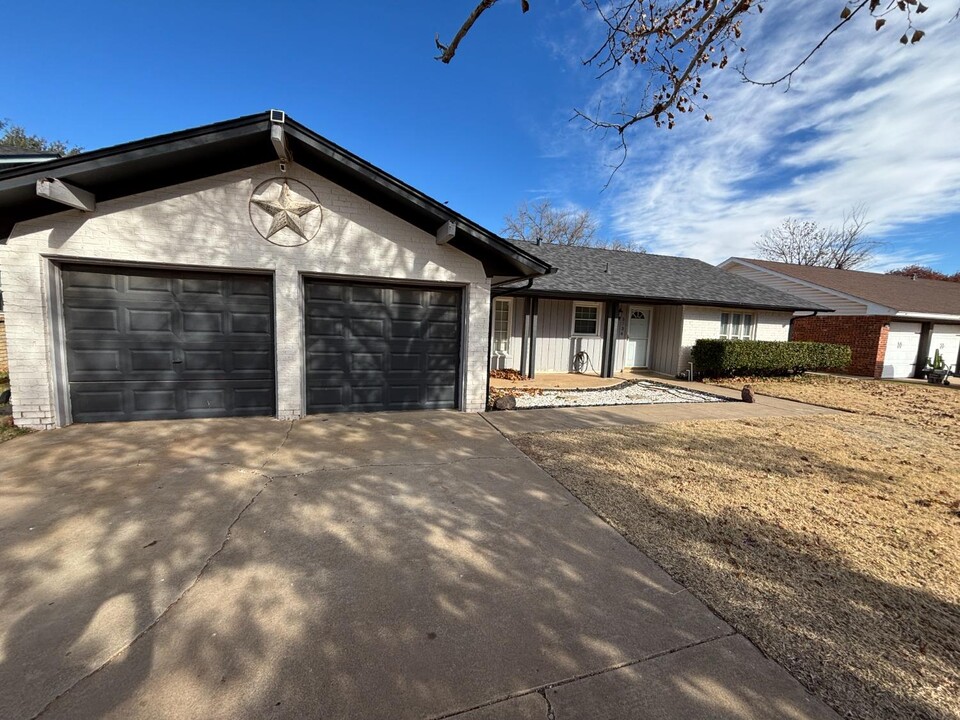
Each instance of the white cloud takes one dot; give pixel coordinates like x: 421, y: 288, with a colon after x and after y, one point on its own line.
x: 867, y: 121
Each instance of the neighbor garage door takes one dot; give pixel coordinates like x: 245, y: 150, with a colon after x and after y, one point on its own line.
x: 903, y: 344
x: 946, y: 339
x: 146, y: 344
x: 381, y: 347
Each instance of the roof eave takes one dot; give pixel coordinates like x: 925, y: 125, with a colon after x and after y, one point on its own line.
x: 600, y: 296
x: 243, y: 142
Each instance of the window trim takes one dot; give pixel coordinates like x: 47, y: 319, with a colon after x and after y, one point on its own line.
x: 573, y: 319
x: 740, y: 336
x: 493, y: 338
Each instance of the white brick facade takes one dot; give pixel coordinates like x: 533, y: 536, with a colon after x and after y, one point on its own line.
x: 704, y: 322
x: 206, y: 224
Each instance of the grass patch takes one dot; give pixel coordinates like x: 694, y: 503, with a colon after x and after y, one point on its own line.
x: 832, y: 542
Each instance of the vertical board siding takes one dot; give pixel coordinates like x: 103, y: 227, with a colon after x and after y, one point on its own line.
x: 555, y: 346
x: 842, y: 305
x: 665, y: 333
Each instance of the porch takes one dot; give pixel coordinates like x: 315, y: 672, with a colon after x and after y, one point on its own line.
x: 585, y: 337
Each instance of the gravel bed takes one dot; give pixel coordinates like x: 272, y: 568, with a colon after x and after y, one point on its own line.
x: 632, y: 392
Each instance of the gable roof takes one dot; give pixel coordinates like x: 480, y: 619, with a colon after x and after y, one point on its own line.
x: 899, y: 293
x: 601, y: 273
x: 178, y: 157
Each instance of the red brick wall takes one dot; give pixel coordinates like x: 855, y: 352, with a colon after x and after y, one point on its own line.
x: 865, y: 334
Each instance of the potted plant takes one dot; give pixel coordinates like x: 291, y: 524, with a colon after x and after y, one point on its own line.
x: 937, y: 371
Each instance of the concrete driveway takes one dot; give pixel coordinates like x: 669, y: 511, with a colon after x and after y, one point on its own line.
x: 407, y: 565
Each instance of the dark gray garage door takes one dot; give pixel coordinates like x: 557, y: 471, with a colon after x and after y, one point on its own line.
x: 145, y: 344
x: 381, y: 347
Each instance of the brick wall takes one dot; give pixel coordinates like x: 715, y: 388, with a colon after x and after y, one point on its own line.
x: 3, y: 345
x: 865, y: 334
x: 704, y: 322
x: 206, y: 223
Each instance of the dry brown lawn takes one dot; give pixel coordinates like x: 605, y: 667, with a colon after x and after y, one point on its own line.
x: 832, y: 542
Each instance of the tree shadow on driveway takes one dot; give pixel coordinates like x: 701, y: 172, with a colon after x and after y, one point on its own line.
x: 398, y: 566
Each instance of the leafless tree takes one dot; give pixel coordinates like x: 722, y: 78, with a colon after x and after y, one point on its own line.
x: 675, y: 42
x: 540, y: 220
x: 805, y: 242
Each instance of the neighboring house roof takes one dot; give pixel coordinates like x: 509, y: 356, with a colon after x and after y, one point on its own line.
x: 897, y: 292
x: 178, y: 157
x: 11, y: 155
x: 588, y: 272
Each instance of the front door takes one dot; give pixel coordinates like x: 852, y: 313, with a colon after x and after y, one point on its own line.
x: 638, y: 337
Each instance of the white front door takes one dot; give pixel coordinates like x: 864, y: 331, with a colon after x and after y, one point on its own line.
x: 903, y: 344
x: 638, y: 337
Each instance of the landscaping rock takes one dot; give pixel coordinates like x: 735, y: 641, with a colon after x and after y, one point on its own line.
x: 747, y: 394
x: 505, y: 402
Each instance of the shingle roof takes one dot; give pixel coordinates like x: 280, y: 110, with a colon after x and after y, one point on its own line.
x: 598, y: 272
x: 903, y: 294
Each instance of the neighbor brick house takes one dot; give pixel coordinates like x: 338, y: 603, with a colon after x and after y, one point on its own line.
x: 892, y: 323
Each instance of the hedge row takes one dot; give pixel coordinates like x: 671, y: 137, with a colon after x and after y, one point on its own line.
x: 727, y: 358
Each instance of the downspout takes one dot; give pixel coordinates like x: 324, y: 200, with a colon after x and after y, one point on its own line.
x: 797, y: 317
x: 496, y: 291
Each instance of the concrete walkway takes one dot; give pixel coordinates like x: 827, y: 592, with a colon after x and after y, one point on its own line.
x: 411, y: 565
x: 570, y: 418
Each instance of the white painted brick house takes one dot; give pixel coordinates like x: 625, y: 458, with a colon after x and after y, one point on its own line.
x: 252, y: 267
x: 164, y: 299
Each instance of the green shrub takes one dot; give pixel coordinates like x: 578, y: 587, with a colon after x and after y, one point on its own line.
x: 727, y: 358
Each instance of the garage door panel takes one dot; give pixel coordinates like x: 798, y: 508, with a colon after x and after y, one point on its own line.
x: 903, y: 345
x: 137, y: 284
x: 85, y: 319
x: 946, y: 339
x: 149, y: 344
x: 149, y: 320
x: 370, y: 347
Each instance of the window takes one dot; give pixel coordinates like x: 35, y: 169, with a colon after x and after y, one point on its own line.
x: 501, y: 327
x: 736, y: 326
x: 586, y: 319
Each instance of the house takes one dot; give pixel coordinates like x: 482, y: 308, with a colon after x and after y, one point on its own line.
x: 608, y: 310
x: 249, y: 267
x: 12, y: 156
x: 891, y: 322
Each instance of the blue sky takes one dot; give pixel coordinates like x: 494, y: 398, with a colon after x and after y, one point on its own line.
x: 870, y: 122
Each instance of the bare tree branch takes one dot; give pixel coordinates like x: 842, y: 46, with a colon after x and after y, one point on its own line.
x: 804, y: 242
x: 448, y: 51
x: 540, y: 221
x: 677, y: 42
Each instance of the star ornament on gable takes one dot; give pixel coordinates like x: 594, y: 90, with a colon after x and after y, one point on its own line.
x: 288, y: 209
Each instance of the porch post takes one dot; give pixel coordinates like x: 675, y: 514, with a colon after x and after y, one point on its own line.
x: 524, y: 334
x: 608, y: 350
x: 534, y: 309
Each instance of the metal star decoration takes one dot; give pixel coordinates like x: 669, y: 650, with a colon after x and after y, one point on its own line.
x: 287, y: 211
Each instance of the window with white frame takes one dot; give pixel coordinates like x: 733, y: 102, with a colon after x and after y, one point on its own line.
x: 586, y: 319
x: 501, y: 326
x: 736, y: 326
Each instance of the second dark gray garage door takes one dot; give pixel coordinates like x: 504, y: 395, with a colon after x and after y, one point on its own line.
x: 381, y: 347
x: 155, y: 344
